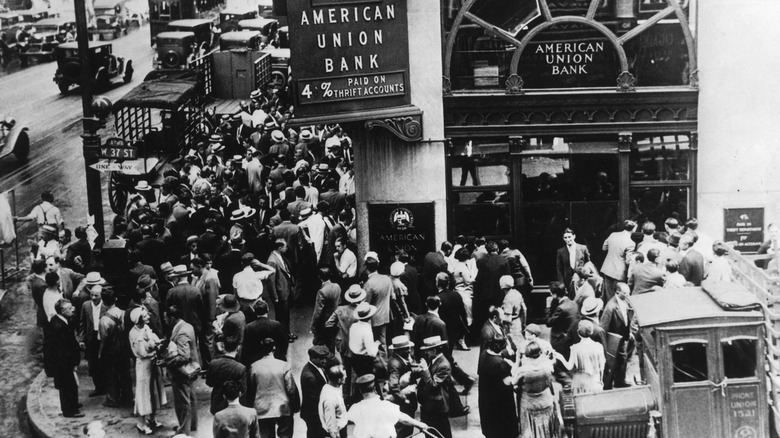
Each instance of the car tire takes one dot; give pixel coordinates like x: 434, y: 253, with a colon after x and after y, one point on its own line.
x: 71, y: 71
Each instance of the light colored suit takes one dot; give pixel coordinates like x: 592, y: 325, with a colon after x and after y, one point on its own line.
x: 616, y: 246
x: 272, y: 389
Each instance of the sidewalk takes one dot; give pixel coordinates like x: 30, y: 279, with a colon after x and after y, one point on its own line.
x: 47, y: 421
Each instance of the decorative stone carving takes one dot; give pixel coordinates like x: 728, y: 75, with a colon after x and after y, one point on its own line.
x: 446, y: 86
x: 693, y: 79
x: 626, y: 82
x: 408, y: 128
x: 514, y: 84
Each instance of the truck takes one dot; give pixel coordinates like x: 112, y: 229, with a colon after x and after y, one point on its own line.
x: 112, y: 18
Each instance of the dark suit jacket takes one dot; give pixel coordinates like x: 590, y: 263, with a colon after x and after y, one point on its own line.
x: 37, y: 288
x: 87, y: 324
x: 153, y: 252
x: 644, y: 276
x: 209, y: 242
x: 489, y: 269
x: 560, y: 318
x: 433, y: 390
x: 63, y: 349
x: 425, y: 326
x: 453, y: 313
x: 397, y: 367
x: 432, y: 264
x: 280, y: 283
x: 692, y: 267
x: 187, y: 298
x: 312, y: 382
x: 258, y: 330
x: 612, y: 321
x: 410, y: 279
x: 221, y: 370
x: 563, y: 267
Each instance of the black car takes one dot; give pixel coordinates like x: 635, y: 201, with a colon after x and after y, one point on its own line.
x: 104, y: 65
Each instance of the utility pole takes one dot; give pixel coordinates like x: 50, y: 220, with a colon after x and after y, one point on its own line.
x: 91, y: 125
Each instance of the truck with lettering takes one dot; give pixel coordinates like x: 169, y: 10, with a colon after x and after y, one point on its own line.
x: 703, y: 367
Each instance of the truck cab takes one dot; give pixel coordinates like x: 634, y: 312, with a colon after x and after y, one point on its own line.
x: 174, y: 49
x: 267, y: 26
x: 240, y: 40
x: 111, y: 18
x: 10, y: 25
x: 229, y: 18
x: 201, y: 28
x: 45, y: 36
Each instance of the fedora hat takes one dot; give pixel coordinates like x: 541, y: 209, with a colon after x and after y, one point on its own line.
x: 432, y: 342
x: 364, y: 311
x: 355, y: 294
x: 591, y: 306
x: 142, y: 186
x: 94, y: 278
x: 145, y: 282
x: 371, y: 255
x: 277, y: 135
x: 229, y: 304
x: 305, y: 135
x: 401, y: 342
x: 180, y: 271
x: 166, y: 268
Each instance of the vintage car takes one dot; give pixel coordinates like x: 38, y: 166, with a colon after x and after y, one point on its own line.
x: 13, y: 139
x: 105, y: 67
x: 111, y: 18
x: 174, y: 49
x: 229, y: 18
x: 202, y: 28
x: 267, y: 26
x: 10, y: 24
x: 240, y: 40
x: 34, y: 16
x: 45, y: 36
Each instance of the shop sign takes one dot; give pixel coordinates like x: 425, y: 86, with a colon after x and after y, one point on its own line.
x: 408, y: 226
x: 348, y: 56
x: 744, y: 227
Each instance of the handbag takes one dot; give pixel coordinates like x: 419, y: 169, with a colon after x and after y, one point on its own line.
x: 189, y: 370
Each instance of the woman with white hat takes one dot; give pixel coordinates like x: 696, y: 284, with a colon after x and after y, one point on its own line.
x: 149, y: 389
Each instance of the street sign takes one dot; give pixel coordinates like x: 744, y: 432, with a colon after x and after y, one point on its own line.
x: 117, y: 148
x: 127, y: 167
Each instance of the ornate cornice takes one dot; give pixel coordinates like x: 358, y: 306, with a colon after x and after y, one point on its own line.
x: 407, y: 128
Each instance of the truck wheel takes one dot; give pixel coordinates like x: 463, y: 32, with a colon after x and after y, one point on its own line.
x: 117, y: 194
x: 22, y: 146
x: 63, y: 86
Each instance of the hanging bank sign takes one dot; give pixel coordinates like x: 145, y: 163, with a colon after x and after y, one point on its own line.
x: 348, y: 55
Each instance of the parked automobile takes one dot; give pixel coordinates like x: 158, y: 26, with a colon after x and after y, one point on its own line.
x: 267, y: 26
x: 45, y: 36
x: 10, y: 24
x: 202, y: 28
x: 33, y: 16
x: 111, y: 18
x: 13, y: 139
x: 229, y: 18
x: 240, y: 40
x: 174, y: 49
x: 104, y: 65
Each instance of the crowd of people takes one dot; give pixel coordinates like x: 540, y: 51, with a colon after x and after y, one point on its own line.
x: 258, y: 219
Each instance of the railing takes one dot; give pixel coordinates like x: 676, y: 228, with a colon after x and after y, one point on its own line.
x: 766, y: 288
x: 203, y: 66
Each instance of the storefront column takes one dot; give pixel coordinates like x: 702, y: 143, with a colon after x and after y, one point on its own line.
x: 625, y: 139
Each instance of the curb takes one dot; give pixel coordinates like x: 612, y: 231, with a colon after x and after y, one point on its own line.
x: 39, y: 422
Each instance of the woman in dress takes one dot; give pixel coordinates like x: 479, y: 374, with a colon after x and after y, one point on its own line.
x: 514, y: 308
x: 464, y: 271
x: 538, y: 415
x: 586, y: 360
x: 149, y: 390
x: 719, y: 269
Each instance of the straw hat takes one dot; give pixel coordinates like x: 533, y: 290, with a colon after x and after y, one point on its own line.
x: 180, y: 271
x: 401, y: 342
x: 142, y: 186
x: 94, y: 278
x: 355, y: 294
x: 432, y: 342
x: 591, y: 306
x: 364, y: 311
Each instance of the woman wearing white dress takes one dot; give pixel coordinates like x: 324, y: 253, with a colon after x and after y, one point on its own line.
x: 149, y: 389
x: 464, y: 271
x: 586, y: 360
x: 719, y: 269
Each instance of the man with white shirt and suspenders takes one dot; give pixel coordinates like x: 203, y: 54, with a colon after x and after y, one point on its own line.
x: 44, y: 213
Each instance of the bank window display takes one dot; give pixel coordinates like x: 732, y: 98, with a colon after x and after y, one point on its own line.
x: 480, y: 189
x: 544, y: 44
x: 661, y: 174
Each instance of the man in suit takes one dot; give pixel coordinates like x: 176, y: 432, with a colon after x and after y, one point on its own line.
x: 37, y: 285
x: 614, y: 267
x: 692, y: 263
x: 327, y: 301
x: 235, y: 420
x: 562, y: 314
x: 280, y: 284
x: 79, y: 253
x: 645, y: 276
x: 572, y: 256
x: 260, y: 329
x: 434, y: 391
x: 192, y: 251
x: 487, y: 290
x: 452, y: 311
x: 222, y: 370
x: 494, y: 329
x: 206, y: 281
x: 400, y: 389
x: 273, y: 393
x: 410, y: 278
x: 114, y: 353
x: 89, y: 328
x: 186, y: 298
x: 379, y: 289
x: 69, y: 279
x: 184, y: 343
x: 433, y: 263
x: 617, y: 318
x: 65, y: 357
x: 209, y: 242
x: 152, y: 250
x: 428, y: 324
x: 312, y: 380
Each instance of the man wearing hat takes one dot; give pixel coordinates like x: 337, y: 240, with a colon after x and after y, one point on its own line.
x: 591, y: 308
x: 312, y: 380
x: 48, y: 246
x: 206, y: 281
x: 617, y: 319
x: 234, y: 323
x: 434, y: 391
x: 186, y: 298
x: 342, y: 319
x: 374, y: 417
x: 402, y: 373
x: 362, y: 346
x: 192, y: 251
x: 89, y: 327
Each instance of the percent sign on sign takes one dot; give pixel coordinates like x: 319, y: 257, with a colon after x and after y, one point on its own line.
x: 326, y: 91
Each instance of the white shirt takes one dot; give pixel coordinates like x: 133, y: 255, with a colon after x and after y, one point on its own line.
x: 573, y: 256
x: 95, y: 317
x: 374, y: 418
x: 333, y: 412
x: 249, y: 284
x: 316, y: 227
x: 361, y: 339
x: 50, y: 298
x: 347, y: 262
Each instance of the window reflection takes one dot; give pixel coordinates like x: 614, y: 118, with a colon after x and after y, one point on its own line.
x: 661, y: 158
x: 485, y: 213
x: 739, y: 358
x: 659, y: 203
x: 570, y: 178
x: 690, y: 362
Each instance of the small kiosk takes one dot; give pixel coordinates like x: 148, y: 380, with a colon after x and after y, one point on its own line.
x: 705, y: 364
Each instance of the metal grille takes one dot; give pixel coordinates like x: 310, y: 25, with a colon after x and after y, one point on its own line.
x: 635, y: 430
x: 203, y: 66
x: 133, y: 123
x: 262, y: 71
